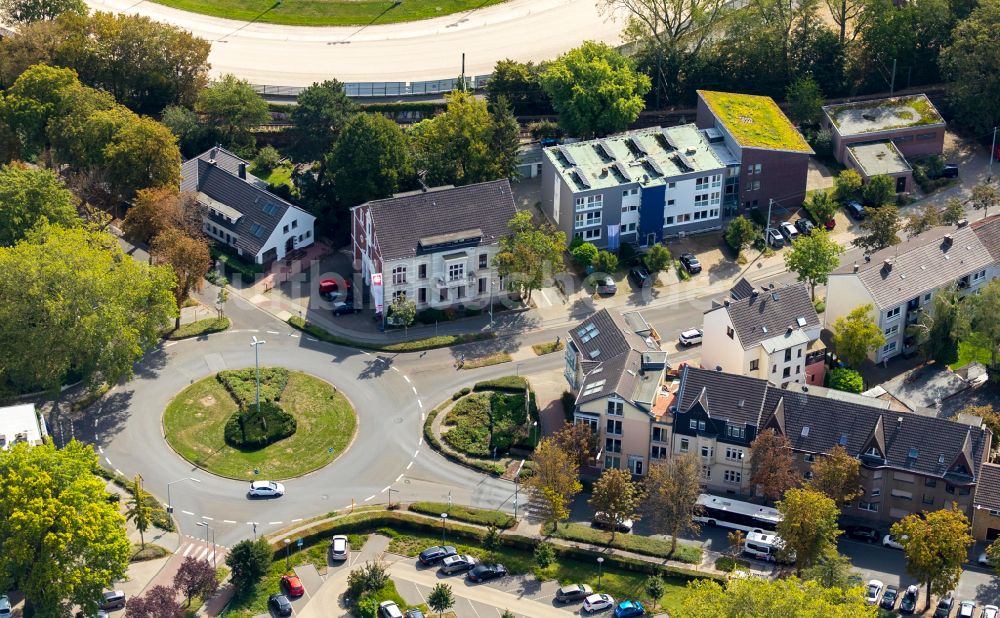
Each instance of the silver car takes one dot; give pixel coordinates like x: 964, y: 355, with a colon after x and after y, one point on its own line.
x: 266, y: 489
x: 340, y: 548
x: 457, y: 564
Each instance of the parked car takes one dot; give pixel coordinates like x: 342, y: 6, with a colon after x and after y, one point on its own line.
x: 436, y: 554
x: 944, y: 607
x: 873, y: 591
x: 598, y: 602
x: 863, y: 533
x: 889, y: 597
x: 280, y: 604
x: 5, y: 610
x: 891, y: 541
x: 266, y: 489
x: 967, y: 609
x: 950, y: 170
x: 545, y: 142
x: 292, y: 585
x: 457, y: 564
x: 691, y: 263
x: 389, y: 609
x: 909, y: 603
x: 112, y: 599
x: 485, y: 572
x: 856, y: 210
x: 573, y: 592
x: 629, y: 609
x: 607, y: 287
x: 774, y: 238
x: 413, y: 612
x: 984, y: 560
x: 991, y: 611
x: 640, y: 276
x: 342, y: 308
x: 603, y: 522
x: 788, y: 231
x: 805, y: 226
x: 692, y: 336
x: 340, y: 548
x: 328, y: 288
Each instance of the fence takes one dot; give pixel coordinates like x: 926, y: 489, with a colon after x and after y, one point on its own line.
x: 385, y: 89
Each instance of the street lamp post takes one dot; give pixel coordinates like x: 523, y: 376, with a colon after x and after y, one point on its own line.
x: 170, y: 505
x: 600, y: 564
x: 255, y: 344
x: 517, y: 482
x: 288, y: 544
x: 207, y: 528
x: 390, y: 496
x: 444, y: 518
x: 533, y: 426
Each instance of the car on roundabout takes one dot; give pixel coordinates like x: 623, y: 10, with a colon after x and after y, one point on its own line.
x: 266, y: 489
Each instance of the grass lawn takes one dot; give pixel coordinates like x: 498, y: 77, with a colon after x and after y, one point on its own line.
x: 486, y: 361
x: 483, y: 517
x: 649, y: 546
x: 417, y: 345
x: 194, y: 422
x: 327, y: 12
x: 199, y: 328
x: 541, y: 349
x: 969, y: 352
x: 281, y: 175
x: 484, y: 421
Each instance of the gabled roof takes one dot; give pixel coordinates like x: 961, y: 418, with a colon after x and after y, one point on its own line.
x: 770, y: 313
x: 737, y: 399
x: 988, y: 487
x: 988, y: 232
x: 611, y: 354
x: 917, y: 265
x: 742, y: 289
x: 401, y: 222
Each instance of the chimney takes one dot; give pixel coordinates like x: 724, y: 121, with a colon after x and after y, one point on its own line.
x: 754, y: 293
x: 726, y: 302
x: 887, y: 264
x: 243, y: 171
x: 948, y: 240
x: 855, y: 266
x: 790, y: 329
x: 899, y: 422
x: 215, y: 152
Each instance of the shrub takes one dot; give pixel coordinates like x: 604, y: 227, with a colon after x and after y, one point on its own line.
x: 545, y: 128
x: 757, y: 216
x: 235, y: 263
x: 242, y: 384
x: 266, y: 160
x: 606, y: 262
x: 822, y: 143
x: 515, y: 384
x: 847, y: 380
x: 483, y: 517
x: 430, y: 316
x: 462, y: 393
x: 544, y: 556
x: 250, y: 430
x: 646, y: 545
x: 199, y: 328
x: 584, y: 255
x: 569, y: 405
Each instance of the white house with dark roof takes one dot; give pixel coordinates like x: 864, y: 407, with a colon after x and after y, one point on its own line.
x: 435, y: 247
x: 241, y: 213
x: 900, y: 281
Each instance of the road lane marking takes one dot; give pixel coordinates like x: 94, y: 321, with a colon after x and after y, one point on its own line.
x: 371, y: 497
x: 100, y: 449
x: 203, y: 553
x: 272, y: 332
x: 170, y: 344
x: 296, y: 519
x: 399, y: 477
x: 409, y: 465
x: 420, y: 442
x: 120, y: 473
x: 187, y: 512
x: 275, y: 523
x: 396, y: 369
x: 414, y: 388
x: 421, y: 407
x: 416, y: 452
x: 208, y: 518
x: 311, y: 339
x: 109, y: 461
x: 228, y: 521
x: 385, y: 489
x: 407, y: 378
x: 187, y: 550
x: 366, y: 353
x: 293, y: 336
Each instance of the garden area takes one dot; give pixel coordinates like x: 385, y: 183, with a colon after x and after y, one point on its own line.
x: 487, y: 422
x: 645, y: 545
x: 304, y: 424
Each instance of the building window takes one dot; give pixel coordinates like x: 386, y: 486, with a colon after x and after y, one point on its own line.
x: 889, y: 347
x: 871, y: 507
x: 902, y: 495
x: 928, y: 499
x: 616, y: 408
x: 809, y: 457
x: 930, y: 483
x: 730, y: 332
x: 590, y: 202
x: 893, y: 313
x: 422, y: 295
x: 443, y: 296
x: 892, y: 330
x: 284, y: 230
x: 670, y: 221
x: 614, y: 427
x: 734, y: 454
x: 295, y: 223
x: 706, y: 451
x: 876, y: 492
x: 927, y: 297
x: 754, y: 365
x: 591, y: 234
x: 701, y: 183
x: 483, y: 260
x: 632, y: 208
x: 588, y: 219
x: 706, y: 471
x: 612, y: 445
x: 693, y: 424
x: 701, y: 200
x: 671, y: 185
x: 422, y: 271
x: 788, y: 355
x: 786, y: 372
x: 685, y: 444
x: 460, y: 291
x: 482, y: 285
x: 659, y: 434
x: 701, y: 425
x: 736, y: 432
x: 659, y: 452
x: 732, y: 477
x: 979, y: 276
x: 613, y: 462
x: 398, y: 275
x: 456, y: 272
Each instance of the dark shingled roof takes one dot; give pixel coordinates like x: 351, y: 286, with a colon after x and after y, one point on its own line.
x: 741, y: 290
x: 611, y: 355
x: 988, y: 231
x: 770, y: 313
x: 400, y: 222
x: 816, y: 424
x: 988, y: 488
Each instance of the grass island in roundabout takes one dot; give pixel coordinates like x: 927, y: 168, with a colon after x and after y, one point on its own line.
x: 305, y: 424
x: 327, y: 12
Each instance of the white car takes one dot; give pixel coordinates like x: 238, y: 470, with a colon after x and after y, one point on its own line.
x: 340, y: 549
x: 984, y: 560
x: 967, y: 609
x: 873, y: 591
x: 788, y: 231
x: 890, y: 541
x: 598, y: 603
x: 266, y: 489
x: 389, y: 609
x: 991, y: 611
x: 691, y: 337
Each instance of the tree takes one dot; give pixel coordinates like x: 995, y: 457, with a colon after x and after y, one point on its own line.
x: 736, y: 539
x: 544, y: 555
x: 555, y: 481
x: 984, y: 197
x: 248, y: 561
x: 441, y: 599
x: 403, y: 311
x: 369, y: 579
x: 970, y: 64
x: 530, y: 254
x: 232, y: 105
x: 94, y: 310
x: 670, y: 496
x: 192, y: 136
x: 266, y: 160
x: 606, y: 262
x: 953, y: 211
x: 141, y: 154
x: 837, y: 475
x: 772, y: 469
x: 576, y: 440
x: 758, y: 596
x: 491, y: 540
x: 505, y: 138
x: 595, y: 90
x: 936, y: 545
x: 138, y: 510
x: 831, y: 570
x: 977, y: 318
x: 584, y: 254
x: 196, y: 578
x: 155, y: 211
x: 740, y: 233
x: 882, y: 226
x: 813, y: 258
x: 856, y: 335
x: 158, y: 602
x: 935, y: 330
x: 29, y: 194
x: 993, y: 555
x: 30, y: 11
x: 920, y: 222
x: 847, y: 185
x: 847, y: 380
x: 518, y: 82
x: 507, y: 614
x: 319, y: 113
x: 63, y: 542
x: 655, y: 588
x: 808, y: 525
x: 657, y: 259
x: 879, y: 190
x: 188, y: 257
x: 844, y: 12
x: 805, y: 100
x: 616, y: 496
x: 821, y: 206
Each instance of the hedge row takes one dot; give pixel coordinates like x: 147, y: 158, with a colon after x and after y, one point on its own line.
x: 234, y: 263
x: 507, y: 384
x: 636, y: 543
x: 242, y: 384
x: 417, y: 345
x: 199, y: 328
x: 482, y: 517
x: 488, y: 467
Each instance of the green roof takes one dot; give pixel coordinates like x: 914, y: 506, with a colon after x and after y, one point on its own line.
x: 883, y: 114
x: 755, y: 121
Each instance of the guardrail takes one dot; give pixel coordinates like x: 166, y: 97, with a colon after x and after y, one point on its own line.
x: 385, y: 89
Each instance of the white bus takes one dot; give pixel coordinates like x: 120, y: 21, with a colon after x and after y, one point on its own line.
x: 765, y: 546
x: 730, y: 513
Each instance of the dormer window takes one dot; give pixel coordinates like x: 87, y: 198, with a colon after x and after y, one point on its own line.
x: 873, y: 452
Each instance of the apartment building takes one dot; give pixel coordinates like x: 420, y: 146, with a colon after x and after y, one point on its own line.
x: 909, y: 462
x: 616, y: 369
x: 899, y: 282
x: 986, y: 507
x: 638, y: 187
x: 770, y: 156
x: 770, y: 333
x: 435, y: 247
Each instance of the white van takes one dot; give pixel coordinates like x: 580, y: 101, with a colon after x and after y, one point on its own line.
x: 764, y: 546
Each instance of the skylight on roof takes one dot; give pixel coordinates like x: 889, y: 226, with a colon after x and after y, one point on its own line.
x: 595, y: 353
x: 590, y: 389
x: 913, y: 453
x: 257, y: 230
x: 270, y: 209
x: 843, y: 439
x: 805, y: 431
x: 800, y: 321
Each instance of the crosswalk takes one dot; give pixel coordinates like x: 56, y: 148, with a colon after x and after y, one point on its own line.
x: 199, y: 549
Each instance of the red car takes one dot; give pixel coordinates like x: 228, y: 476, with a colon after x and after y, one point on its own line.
x: 332, y: 286
x: 292, y: 585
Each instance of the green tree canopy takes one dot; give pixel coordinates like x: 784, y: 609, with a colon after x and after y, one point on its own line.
x: 857, y: 334
x: 595, y: 90
x: 847, y: 185
x: 519, y: 83
x: 320, y: 111
x: 232, y: 105
x: 847, y: 380
x: 670, y: 496
x: 813, y: 258
x: 837, y: 475
x: 26, y: 196
x: 936, y: 329
x: 953, y: 211
x: 922, y: 220
x: 977, y: 319
x: 30, y: 11
x: 441, y: 598
x: 530, y: 253
x: 584, y: 254
x: 772, y: 469
x: 805, y: 100
x: 62, y: 541
x: 879, y: 190
x: 808, y: 525
x: 606, y: 262
x: 657, y: 259
x: 248, y: 561
x: 740, y: 233
x: 984, y: 196
x: 821, y: 206
x: 881, y: 227
x: 93, y: 309
x: 936, y: 545
x: 616, y: 496
x: 970, y: 63
x: 555, y: 481
x: 758, y: 597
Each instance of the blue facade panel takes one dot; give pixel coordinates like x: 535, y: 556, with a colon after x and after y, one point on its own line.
x: 651, y: 212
